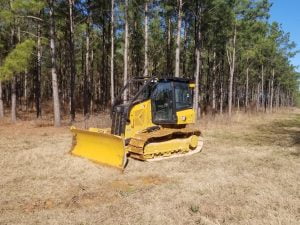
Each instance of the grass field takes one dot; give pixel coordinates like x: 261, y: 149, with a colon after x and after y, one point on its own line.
x: 247, y: 173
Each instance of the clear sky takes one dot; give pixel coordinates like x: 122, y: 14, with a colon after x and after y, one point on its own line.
x: 287, y: 13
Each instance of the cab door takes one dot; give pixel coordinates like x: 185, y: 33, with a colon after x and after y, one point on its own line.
x: 163, y: 107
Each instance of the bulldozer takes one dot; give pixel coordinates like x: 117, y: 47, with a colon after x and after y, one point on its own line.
x: 151, y: 120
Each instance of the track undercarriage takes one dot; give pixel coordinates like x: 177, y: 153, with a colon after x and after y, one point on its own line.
x: 165, y: 143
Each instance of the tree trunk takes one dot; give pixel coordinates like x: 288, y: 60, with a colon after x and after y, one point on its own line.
x: 102, y: 85
x: 14, y: 100
x: 126, y: 50
x: 1, y: 102
x: 257, y: 97
x: 214, y: 82
x: 198, y: 62
x: 247, y: 88
x: 25, y: 90
x: 38, y: 73
x: 197, y: 76
x: 221, y: 98
x: 278, y: 97
x: 238, y: 102
x: 177, y: 59
x: 56, y: 105
x: 231, y: 59
x: 272, y: 90
x: 92, y: 86
x: 262, y: 86
x: 13, y: 82
x: 168, y: 55
x: 269, y: 94
x: 112, y: 91
x: 72, y: 61
x: 146, y: 40
x: 184, y: 49
x: 86, y: 82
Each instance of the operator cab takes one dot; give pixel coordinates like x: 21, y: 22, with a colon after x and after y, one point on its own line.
x: 167, y: 96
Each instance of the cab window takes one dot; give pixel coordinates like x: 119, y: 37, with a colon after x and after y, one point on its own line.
x: 183, y: 96
x: 162, y: 103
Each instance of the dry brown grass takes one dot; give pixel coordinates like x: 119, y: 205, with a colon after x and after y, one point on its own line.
x: 247, y: 173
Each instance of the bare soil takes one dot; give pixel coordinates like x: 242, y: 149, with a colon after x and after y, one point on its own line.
x: 247, y: 173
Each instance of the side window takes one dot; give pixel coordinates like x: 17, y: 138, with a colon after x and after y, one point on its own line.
x: 162, y: 103
x: 183, y: 96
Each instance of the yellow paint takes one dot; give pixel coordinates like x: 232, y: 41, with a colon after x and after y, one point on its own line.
x: 175, y: 145
x: 140, y: 119
x: 194, y: 141
x: 102, y: 130
x: 186, y: 116
x: 99, y: 147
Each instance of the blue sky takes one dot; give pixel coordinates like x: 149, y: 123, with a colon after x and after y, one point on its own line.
x: 287, y: 13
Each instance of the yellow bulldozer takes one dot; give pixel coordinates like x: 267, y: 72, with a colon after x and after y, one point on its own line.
x: 150, y: 121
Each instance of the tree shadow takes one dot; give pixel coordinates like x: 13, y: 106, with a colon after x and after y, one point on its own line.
x: 284, y: 133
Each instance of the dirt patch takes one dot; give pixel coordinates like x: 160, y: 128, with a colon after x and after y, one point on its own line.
x: 138, y: 182
x: 80, y: 196
x: 153, y: 180
x: 35, y: 205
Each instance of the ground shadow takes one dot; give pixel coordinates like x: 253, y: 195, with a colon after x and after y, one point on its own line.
x: 283, y: 132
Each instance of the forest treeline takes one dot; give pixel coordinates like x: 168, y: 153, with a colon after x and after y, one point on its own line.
x: 75, y: 55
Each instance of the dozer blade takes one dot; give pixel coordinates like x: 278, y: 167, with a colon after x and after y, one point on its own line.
x: 99, y: 147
